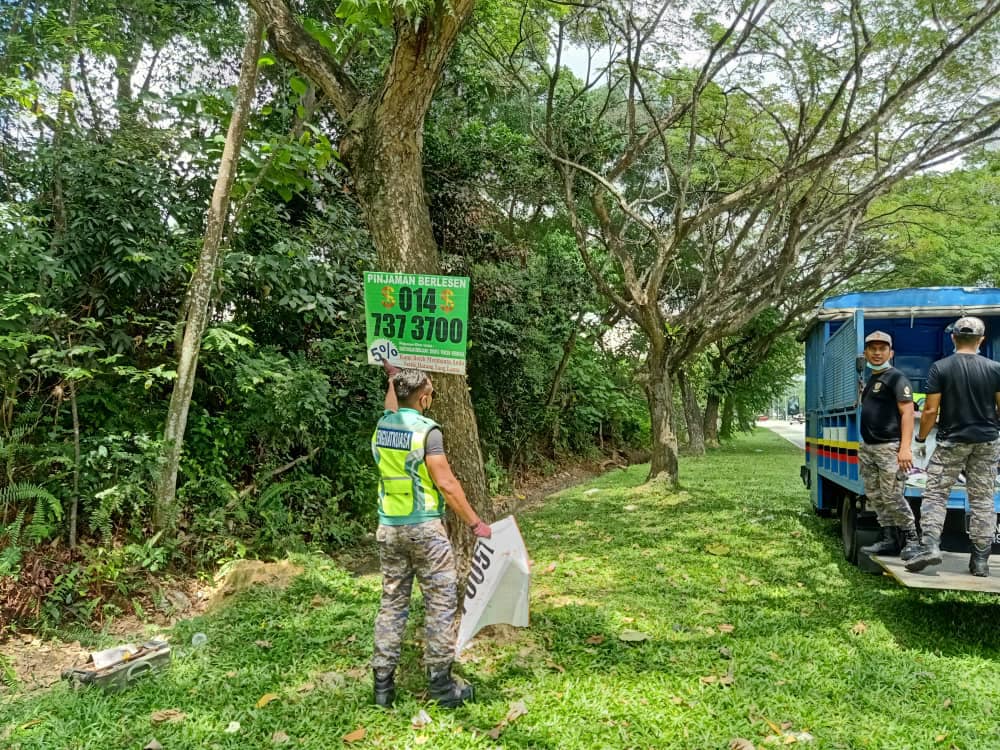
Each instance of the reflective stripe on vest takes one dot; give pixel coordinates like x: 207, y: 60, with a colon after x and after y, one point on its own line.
x: 406, y: 492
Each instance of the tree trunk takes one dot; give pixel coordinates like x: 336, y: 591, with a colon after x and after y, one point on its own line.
x: 692, y: 416
x: 75, y: 507
x: 659, y: 392
x: 200, y: 291
x: 728, y: 415
x: 710, y: 424
x: 387, y: 166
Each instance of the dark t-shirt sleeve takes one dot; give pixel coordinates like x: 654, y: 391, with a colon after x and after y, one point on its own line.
x: 434, y: 443
x: 903, y: 390
x: 933, y: 385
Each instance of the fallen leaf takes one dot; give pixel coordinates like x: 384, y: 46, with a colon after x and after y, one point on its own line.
x: 33, y: 722
x: 280, y: 738
x: 233, y: 728
x: 331, y: 680
x: 421, y: 720
x: 726, y: 628
x: 153, y: 745
x: 941, y: 738
x: 356, y: 735
x: 947, y: 703
x: 172, y: 715
x: 727, y: 679
x: 859, y: 627
x: 631, y: 507
x: 633, y: 636
x: 517, y: 710
x: 306, y: 687
x: 559, y: 668
x: 551, y: 568
x: 232, y: 673
x: 262, y: 644
x: 267, y: 698
x: 726, y: 653
x: 318, y: 601
x: 595, y: 640
x: 420, y: 739
x: 775, y: 656
x: 786, y: 725
x: 717, y: 549
x: 708, y: 679
x: 628, y: 620
x: 676, y: 700
x: 739, y: 743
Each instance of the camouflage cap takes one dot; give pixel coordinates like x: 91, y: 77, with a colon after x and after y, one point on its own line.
x: 969, y: 326
x: 878, y: 336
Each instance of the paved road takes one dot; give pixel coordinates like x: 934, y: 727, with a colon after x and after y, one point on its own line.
x: 793, y: 433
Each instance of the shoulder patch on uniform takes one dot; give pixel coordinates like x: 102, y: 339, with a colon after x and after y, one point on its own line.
x: 906, y: 391
x: 396, y: 439
x: 877, y: 387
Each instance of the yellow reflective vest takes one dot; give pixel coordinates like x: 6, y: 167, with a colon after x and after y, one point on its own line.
x: 406, y: 492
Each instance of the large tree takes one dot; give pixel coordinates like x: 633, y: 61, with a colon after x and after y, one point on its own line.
x: 380, y: 123
x: 199, y: 296
x: 740, y: 147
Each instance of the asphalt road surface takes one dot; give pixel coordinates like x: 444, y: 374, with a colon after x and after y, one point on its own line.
x: 793, y: 433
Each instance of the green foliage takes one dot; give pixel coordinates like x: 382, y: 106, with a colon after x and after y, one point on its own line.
x: 941, y: 229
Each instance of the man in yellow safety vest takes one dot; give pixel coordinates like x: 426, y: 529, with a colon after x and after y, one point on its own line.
x: 415, y: 484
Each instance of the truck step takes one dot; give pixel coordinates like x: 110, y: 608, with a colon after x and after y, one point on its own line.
x: 952, y: 574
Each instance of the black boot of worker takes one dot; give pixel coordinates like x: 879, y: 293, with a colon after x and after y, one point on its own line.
x: 979, y: 561
x: 929, y: 554
x: 887, y: 543
x: 385, y: 687
x: 446, y: 691
x: 911, y: 545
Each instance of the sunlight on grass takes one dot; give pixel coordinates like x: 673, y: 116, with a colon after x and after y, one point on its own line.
x: 753, y: 627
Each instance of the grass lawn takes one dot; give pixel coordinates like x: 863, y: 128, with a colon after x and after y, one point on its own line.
x: 757, y: 629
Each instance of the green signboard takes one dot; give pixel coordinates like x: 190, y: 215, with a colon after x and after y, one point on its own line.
x: 414, y: 320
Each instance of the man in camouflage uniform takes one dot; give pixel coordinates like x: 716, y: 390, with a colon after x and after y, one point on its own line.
x: 966, y: 389
x: 415, y: 482
x: 885, y: 455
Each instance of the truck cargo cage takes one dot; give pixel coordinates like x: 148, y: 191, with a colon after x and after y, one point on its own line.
x: 917, y: 320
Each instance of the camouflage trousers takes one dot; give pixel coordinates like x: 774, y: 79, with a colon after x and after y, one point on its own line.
x: 979, y: 462
x: 884, y: 484
x: 423, y: 551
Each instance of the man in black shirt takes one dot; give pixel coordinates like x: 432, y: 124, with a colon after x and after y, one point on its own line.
x: 885, y: 456
x: 966, y: 389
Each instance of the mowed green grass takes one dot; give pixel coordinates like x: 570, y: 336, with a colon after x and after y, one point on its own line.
x: 809, y: 647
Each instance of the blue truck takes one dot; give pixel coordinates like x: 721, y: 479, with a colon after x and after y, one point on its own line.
x: 918, y: 321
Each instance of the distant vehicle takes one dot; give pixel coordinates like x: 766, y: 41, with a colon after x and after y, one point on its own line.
x: 763, y: 418
x: 799, y: 418
x: 917, y: 320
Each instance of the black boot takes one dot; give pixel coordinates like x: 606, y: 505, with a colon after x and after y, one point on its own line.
x: 979, y: 561
x: 446, y: 691
x: 911, y: 545
x: 385, y: 687
x: 929, y: 554
x: 887, y: 543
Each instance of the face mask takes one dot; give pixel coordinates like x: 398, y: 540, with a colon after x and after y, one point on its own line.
x: 879, y: 368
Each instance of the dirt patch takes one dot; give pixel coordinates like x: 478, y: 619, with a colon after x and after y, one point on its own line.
x: 38, y: 664
x: 244, y: 574
x: 532, y: 491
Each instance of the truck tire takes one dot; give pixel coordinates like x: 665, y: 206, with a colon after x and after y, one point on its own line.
x: 855, y: 534
x: 849, y: 527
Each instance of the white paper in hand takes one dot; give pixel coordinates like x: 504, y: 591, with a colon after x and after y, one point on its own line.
x: 497, y: 590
